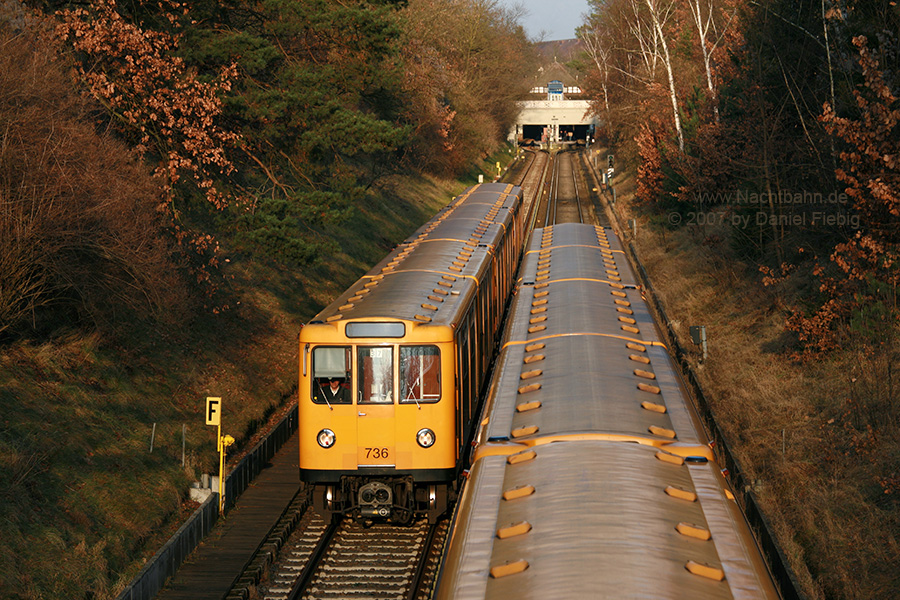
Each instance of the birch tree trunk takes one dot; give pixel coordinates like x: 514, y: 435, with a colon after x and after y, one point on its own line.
x: 601, y: 55
x: 647, y: 39
x: 657, y: 21
x: 702, y: 29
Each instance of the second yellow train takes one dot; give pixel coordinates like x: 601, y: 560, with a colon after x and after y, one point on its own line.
x: 592, y: 476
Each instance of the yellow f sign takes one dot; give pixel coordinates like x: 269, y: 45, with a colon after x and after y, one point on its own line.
x: 214, y: 417
x: 213, y: 411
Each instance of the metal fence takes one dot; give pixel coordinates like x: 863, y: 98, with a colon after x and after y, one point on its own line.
x: 172, y: 555
x: 251, y: 465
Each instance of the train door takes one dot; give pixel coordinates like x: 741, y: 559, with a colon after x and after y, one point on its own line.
x: 463, y: 382
x: 487, y: 327
x: 495, y: 294
x: 475, y: 336
x: 474, y: 375
x: 376, y: 433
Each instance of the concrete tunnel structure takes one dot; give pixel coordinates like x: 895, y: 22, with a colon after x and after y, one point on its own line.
x: 556, y: 109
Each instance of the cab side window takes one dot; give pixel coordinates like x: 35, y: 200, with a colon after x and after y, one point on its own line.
x: 331, y: 375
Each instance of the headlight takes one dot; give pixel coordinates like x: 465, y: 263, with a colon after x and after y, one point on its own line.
x: 325, y: 438
x: 425, y: 437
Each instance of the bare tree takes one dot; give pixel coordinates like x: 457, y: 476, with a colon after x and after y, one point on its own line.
x: 660, y: 12
x: 599, y: 50
x: 646, y: 36
x: 702, y: 13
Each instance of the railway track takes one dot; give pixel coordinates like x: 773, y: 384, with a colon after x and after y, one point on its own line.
x: 347, y: 559
x: 566, y: 200
x: 568, y: 208
x: 530, y: 177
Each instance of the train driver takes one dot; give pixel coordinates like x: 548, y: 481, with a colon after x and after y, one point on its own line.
x: 334, y: 392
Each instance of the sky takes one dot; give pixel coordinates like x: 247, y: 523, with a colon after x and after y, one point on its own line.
x: 558, y: 18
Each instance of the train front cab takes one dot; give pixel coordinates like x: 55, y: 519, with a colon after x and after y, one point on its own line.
x: 390, y: 450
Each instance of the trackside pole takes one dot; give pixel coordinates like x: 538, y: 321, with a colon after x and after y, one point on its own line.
x: 214, y: 417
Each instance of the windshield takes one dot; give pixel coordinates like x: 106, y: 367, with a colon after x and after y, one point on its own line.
x: 376, y: 375
x: 420, y: 374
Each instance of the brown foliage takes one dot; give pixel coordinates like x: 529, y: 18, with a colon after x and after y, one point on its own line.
x: 163, y: 108
x: 867, y: 264
x: 871, y: 166
x: 78, y: 226
x: 465, y: 61
x: 650, y: 176
x: 134, y: 73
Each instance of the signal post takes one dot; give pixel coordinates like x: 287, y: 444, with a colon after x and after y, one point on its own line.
x: 214, y: 417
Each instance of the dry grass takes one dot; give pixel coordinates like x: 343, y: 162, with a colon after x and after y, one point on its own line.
x: 814, y: 438
x: 79, y: 231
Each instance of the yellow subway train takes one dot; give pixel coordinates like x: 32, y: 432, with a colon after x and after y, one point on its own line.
x: 391, y: 371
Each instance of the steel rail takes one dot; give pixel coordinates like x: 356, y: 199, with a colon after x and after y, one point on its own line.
x: 419, y: 575
x: 550, y: 216
x: 577, y: 196
x: 312, y: 564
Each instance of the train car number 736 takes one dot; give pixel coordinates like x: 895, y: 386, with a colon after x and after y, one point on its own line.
x: 377, y: 453
x: 375, y: 456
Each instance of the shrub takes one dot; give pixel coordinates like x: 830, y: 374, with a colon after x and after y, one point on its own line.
x: 80, y: 240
